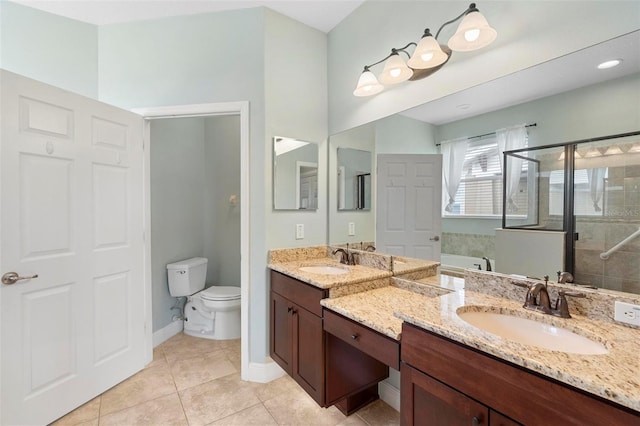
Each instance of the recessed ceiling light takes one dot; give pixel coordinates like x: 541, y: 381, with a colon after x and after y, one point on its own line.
x: 610, y: 64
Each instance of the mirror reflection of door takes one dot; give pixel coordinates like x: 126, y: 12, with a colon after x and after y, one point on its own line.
x: 408, y: 205
x: 354, y: 179
x: 307, y: 185
x: 295, y: 174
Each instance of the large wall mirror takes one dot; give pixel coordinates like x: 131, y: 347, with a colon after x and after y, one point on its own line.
x: 569, y: 98
x: 354, y: 179
x: 295, y: 174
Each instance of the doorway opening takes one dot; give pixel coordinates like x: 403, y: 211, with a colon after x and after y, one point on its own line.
x: 235, y: 204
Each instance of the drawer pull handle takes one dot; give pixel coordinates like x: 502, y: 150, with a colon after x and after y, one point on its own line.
x: 354, y: 336
x: 294, y: 311
x: 289, y: 309
x: 475, y: 421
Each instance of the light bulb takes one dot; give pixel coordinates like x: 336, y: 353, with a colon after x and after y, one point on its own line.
x: 395, y: 72
x: 426, y: 56
x: 472, y: 35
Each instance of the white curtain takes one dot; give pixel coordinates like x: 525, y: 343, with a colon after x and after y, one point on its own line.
x: 508, y: 139
x: 453, y: 153
x: 596, y: 185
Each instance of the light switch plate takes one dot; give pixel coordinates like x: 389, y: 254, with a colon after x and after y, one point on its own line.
x: 627, y: 313
x: 352, y: 228
x: 299, y: 231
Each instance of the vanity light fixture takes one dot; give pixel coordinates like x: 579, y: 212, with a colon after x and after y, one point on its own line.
x: 428, y: 56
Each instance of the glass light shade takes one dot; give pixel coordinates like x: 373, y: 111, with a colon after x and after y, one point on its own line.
x: 368, y: 85
x: 592, y: 152
x: 614, y: 150
x: 473, y: 33
x: 428, y: 54
x: 395, y: 71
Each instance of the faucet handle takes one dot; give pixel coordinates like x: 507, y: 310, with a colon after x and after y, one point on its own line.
x: 562, y: 306
x: 519, y: 284
x: 571, y: 294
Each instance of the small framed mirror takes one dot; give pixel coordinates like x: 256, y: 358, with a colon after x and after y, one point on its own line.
x: 354, y: 179
x: 295, y: 174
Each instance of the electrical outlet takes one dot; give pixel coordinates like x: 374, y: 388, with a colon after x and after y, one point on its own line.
x: 299, y: 231
x: 627, y: 312
x: 352, y: 228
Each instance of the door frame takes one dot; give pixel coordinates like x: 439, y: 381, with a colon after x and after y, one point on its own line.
x: 299, y: 166
x: 240, y: 108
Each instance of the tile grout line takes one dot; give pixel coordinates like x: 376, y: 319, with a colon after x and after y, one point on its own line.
x: 184, y: 412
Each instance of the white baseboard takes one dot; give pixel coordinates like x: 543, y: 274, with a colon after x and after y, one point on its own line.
x: 263, y: 372
x: 167, y: 332
x: 389, y: 394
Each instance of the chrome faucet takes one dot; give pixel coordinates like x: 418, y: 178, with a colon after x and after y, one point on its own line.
x: 486, y: 259
x: 537, y: 299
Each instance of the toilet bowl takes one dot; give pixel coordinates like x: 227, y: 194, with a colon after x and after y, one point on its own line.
x: 213, y: 312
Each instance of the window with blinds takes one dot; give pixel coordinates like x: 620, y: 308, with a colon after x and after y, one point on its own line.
x: 480, y: 190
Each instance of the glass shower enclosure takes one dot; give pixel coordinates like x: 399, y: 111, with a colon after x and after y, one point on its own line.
x: 589, y: 189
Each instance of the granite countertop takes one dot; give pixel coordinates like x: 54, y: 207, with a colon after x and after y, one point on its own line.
x: 408, y: 265
x: 432, y: 304
x: 375, y: 308
x: 613, y: 376
x: 356, y: 274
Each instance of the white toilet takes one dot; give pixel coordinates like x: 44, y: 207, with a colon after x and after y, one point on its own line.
x: 212, y: 313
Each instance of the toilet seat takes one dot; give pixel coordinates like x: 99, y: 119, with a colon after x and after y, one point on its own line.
x: 220, y: 293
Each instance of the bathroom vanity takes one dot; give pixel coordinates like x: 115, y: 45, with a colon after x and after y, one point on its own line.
x: 337, y: 335
x: 331, y: 370
x: 444, y: 382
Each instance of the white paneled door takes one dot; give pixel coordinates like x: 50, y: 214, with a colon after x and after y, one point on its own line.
x: 71, y: 213
x: 408, y: 206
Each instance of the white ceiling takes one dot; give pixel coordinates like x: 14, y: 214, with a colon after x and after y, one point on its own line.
x: 322, y: 15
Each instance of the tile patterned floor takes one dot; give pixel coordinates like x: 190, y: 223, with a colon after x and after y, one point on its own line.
x: 194, y: 381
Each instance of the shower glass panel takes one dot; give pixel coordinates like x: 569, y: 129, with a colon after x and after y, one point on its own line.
x: 533, y: 189
x: 607, y: 212
x: 589, y: 189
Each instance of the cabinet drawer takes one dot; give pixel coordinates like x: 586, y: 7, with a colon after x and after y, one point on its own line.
x: 302, y: 294
x: 374, y: 344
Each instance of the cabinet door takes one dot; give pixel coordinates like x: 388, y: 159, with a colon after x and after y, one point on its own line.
x: 281, y: 332
x: 308, y: 352
x: 426, y: 401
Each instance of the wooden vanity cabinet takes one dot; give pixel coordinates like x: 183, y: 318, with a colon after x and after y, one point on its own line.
x: 445, y: 382
x: 297, y: 338
x: 332, y: 371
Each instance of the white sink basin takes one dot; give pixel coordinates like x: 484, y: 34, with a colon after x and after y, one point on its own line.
x: 534, y: 333
x: 324, y: 269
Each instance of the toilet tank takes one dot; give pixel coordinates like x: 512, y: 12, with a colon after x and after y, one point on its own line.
x: 187, y: 277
